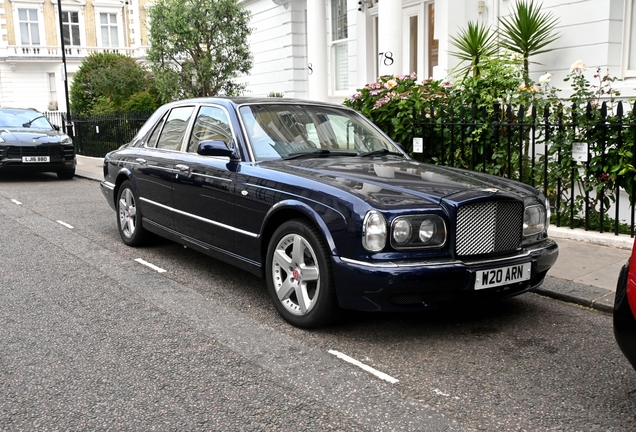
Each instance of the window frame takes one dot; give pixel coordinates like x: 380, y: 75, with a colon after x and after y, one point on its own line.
x: 110, y: 7
x: 71, y: 6
x: 335, y: 42
x: 629, y: 27
x: 36, y: 5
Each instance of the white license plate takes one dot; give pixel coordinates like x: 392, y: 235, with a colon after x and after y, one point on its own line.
x: 36, y: 159
x: 502, y: 276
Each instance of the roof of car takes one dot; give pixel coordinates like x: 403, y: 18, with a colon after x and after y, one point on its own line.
x: 253, y: 100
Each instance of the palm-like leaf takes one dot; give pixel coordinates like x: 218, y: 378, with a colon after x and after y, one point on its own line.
x: 528, y: 30
x: 473, y: 43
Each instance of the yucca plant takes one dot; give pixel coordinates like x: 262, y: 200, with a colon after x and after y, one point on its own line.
x: 528, y: 31
x: 473, y: 44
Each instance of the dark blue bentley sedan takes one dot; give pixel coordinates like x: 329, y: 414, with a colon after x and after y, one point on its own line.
x: 327, y: 208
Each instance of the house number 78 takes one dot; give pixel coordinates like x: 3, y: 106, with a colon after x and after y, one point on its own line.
x: 386, y: 58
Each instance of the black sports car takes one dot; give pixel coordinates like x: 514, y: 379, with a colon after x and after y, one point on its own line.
x: 28, y: 142
x: 625, y: 310
x: 326, y: 207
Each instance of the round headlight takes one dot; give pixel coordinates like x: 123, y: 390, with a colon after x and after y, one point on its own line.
x: 427, y: 230
x: 401, y: 231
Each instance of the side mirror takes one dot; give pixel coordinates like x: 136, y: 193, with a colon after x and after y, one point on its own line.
x: 217, y: 148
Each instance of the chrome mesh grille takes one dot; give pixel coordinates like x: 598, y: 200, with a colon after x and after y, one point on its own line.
x: 484, y: 228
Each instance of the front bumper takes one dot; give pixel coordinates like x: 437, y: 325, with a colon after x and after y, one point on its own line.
x: 61, y: 158
x: 403, y: 286
x: 624, y: 321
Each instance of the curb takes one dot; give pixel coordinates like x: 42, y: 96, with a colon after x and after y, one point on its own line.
x: 621, y: 241
x: 589, y: 296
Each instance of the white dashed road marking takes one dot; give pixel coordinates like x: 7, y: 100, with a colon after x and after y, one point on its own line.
x: 65, y: 224
x: 152, y: 266
x: 367, y: 368
x: 16, y: 201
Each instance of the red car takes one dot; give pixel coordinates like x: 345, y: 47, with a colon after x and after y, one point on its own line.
x: 625, y: 310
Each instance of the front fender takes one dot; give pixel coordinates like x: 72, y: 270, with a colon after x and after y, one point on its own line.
x: 329, y: 221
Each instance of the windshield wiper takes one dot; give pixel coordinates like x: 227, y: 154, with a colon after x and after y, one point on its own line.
x: 30, y: 122
x: 318, y: 153
x: 380, y: 152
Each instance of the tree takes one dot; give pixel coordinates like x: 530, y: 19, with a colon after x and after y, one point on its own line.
x: 474, y: 43
x: 106, y: 82
x: 198, y: 47
x: 528, y: 31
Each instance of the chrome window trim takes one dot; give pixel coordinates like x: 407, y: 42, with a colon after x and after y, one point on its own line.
x: 211, y: 222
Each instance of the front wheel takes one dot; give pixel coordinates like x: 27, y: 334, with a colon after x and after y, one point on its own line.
x: 129, y: 216
x: 299, y: 277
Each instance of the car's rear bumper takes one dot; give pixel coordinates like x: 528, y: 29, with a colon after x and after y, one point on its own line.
x: 624, y: 321
x: 408, y: 286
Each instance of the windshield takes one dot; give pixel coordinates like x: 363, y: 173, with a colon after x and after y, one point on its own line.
x: 23, y: 119
x: 278, y: 131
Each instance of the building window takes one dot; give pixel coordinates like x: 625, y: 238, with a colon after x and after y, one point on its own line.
x: 71, y: 28
x: 629, y: 40
x: 339, y: 50
x: 108, y: 25
x: 52, y: 92
x: 29, y: 27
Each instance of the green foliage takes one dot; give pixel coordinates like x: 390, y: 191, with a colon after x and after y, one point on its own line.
x: 105, y: 82
x: 276, y: 94
x: 141, y: 102
x: 528, y: 31
x: 394, y: 104
x: 198, y: 47
x: 500, y: 81
x: 474, y: 43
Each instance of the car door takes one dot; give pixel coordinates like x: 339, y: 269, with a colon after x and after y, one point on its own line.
x: 204, y: 185
x: 154, y: 166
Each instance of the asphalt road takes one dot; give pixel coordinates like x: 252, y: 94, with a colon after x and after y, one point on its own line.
x: 90, y: 339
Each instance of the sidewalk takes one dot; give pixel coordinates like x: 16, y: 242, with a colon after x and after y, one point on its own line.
x: 585, y: 273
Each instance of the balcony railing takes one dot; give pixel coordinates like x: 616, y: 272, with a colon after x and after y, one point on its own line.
x: 44, y: 52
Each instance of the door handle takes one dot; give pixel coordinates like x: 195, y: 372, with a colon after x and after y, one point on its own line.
x: 140, y: 161
x: 182, y: 167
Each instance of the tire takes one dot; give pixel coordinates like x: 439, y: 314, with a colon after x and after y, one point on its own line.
x: 299, y: 276
x: 129, y: 216
x: 67, y: 174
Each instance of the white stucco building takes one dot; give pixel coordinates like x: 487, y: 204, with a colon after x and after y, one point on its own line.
x: 325, y: 49
x: 317, y: 49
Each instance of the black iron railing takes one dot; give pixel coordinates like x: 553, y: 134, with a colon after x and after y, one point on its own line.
x: 582, y: 159
x: 97, y: 135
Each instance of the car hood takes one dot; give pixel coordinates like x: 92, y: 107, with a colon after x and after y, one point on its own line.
x: 397, y: 182
x: 31, y: 137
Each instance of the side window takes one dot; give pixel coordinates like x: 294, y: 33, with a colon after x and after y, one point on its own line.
x: 211, y: 124
x: 152, y: 141
x: 175, y: 128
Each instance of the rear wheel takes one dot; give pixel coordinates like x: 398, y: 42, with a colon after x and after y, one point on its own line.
x: 129, y: 216
x: 299, y: 279
x: 66, y: 174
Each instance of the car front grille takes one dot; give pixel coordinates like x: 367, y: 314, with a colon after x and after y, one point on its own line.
x: 53, y: 152
x: 490, y: 227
